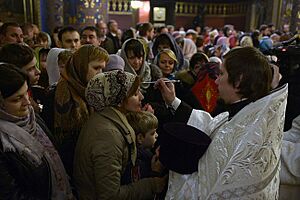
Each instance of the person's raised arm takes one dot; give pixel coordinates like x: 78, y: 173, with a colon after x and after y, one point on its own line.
x: 181, y: 110
x: 167, y: 90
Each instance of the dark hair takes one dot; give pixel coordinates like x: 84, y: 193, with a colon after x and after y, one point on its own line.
x: 263, y: 27
x: 144, y: 28
x: 64, y: 30
x: 110, y: 22
x: 127, y: 34
x: 91, y: 28
x: 26, y: 28
x: 199, y: 41
x: 225, y: 29
x: 248, y: 69
x: 254, y: 36
x: 136, y: 47
x: 3, y: 28
x: 42, y: 36
x: 159, y: 29
x: 163, y: 39
x: 210, y: 68
x: 17, y: 54
x: 198, y: 57
x: 57, y: 29
x: 11, y: 79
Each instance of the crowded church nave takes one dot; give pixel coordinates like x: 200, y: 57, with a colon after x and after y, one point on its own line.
x: 149, y: 99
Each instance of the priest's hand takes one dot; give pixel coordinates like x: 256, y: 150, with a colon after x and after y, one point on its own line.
x: 167, y: 90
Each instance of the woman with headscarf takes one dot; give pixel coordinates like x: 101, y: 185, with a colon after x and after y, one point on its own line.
x: 43, y: 39
x: 246, y: 41
x: 166, y: 41
x: 221, y: 47
x: 134, y: 55
x: 52, y: 65
x: 106, y: 151
x: 55, y: 62
x: 41, y: 58
x: 30, y: 167
x: 70, y: 108
x: 188, y: 47
x: 189, y: 76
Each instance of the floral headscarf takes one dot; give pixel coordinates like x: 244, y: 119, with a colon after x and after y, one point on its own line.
x: 108, y: 89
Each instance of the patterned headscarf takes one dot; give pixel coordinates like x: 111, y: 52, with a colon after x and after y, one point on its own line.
x: 108, y: 89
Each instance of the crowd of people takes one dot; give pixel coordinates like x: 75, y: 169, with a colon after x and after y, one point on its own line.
x: 84, y: 113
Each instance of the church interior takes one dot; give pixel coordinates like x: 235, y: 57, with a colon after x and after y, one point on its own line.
x: 245, y: 15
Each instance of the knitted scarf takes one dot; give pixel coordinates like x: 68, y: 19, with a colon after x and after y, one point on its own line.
x: 24, y: 136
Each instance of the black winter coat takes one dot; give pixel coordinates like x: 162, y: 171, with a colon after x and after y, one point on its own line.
x: 20, y: 180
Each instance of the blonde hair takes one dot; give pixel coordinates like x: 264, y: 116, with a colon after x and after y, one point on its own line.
x: 246, y: 41
x: 142, y: 121
x: 170, y: 53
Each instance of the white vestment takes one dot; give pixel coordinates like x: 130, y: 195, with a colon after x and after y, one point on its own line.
x: 243, y: 159
x: 290, y: 163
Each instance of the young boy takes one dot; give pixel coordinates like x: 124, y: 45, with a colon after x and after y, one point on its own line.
x: 144, y: 124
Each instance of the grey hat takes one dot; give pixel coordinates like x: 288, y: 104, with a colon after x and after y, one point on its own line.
x: 115, y: 62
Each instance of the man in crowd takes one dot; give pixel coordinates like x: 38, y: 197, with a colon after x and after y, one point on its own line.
x: 146, y: 34
x: 90, y: 35
x: 10, y: 33
x: 23, y: 57
x: 69, y: 38
x: 106, y: 42
x: 113, y: 34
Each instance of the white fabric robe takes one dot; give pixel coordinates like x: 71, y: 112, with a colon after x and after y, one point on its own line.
x: 243, y: 159
x: 290, y: 163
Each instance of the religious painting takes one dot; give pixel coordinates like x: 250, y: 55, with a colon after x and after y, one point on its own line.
x: 159, y: 14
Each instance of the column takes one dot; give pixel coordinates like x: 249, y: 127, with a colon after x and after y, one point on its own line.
x: 295, y: 18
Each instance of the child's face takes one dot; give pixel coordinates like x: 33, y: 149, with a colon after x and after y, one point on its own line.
x: 44, y: 43
x: 43, y: 63
x: 149, y: 139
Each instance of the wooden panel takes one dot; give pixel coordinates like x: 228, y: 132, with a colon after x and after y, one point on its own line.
x: 220, y: 9
x: 213, y: 21
x: 124, y: 21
